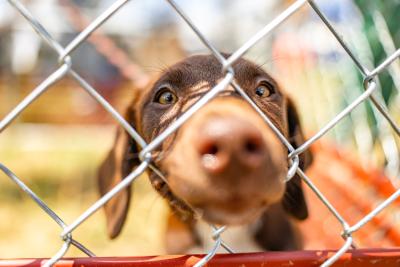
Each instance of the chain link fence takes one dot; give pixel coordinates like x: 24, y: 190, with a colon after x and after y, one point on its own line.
x: 66, y: 68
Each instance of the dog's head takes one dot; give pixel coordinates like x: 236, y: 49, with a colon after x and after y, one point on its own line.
x: 225, y: 161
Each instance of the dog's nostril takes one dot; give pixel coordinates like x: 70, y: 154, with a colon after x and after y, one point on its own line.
x: 252, y: 146
x: 213, y: 157
x: 211, y: 149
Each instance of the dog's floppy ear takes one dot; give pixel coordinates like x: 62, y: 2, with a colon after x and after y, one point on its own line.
x: 294, y: 201
x: 119, y: 162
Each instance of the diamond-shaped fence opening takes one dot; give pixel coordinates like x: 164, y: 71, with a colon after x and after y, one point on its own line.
x: 368, y: 90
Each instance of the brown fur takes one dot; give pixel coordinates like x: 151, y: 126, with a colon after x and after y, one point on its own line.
x: 248, y: 188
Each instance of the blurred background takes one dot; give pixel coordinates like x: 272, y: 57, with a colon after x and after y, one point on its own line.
x: 58, y: 142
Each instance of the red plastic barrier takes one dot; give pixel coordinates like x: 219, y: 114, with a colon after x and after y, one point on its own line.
x: 360, y: 258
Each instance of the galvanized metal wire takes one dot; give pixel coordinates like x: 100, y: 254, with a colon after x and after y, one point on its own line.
x: 66, y: 67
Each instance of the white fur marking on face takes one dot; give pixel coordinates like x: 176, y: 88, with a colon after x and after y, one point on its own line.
x: 239, y: 238
x: 209, y: 160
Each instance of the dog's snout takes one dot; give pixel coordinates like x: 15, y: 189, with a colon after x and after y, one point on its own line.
x: 225, y: 144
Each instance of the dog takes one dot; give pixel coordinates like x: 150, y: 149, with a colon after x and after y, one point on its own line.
x: 225, y: 164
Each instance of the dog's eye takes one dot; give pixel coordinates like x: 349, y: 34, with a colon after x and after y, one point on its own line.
x: 265, y: 89
x: 166, y: 97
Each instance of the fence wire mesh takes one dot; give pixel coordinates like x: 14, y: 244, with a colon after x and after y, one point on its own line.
x: 66, y: 68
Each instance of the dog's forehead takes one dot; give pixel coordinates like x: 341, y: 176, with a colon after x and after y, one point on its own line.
x: 206, y: 68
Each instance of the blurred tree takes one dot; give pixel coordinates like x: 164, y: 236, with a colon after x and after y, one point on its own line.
x: 381, y: 28
x: 372, y: 11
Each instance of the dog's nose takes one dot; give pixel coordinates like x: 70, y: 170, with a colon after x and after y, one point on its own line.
x: 229, y: 144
